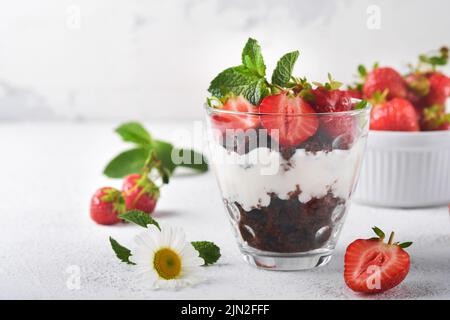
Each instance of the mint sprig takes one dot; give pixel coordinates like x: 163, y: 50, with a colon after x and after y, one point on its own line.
x: 247, y: 79
x: 121, y: 252
x: 132, y: 160
x: 252, y: 58
x: 140, y: 218
x: 283, y: 71
x: 134, y: 132
x: 239, y: 81
x: 207, y: 250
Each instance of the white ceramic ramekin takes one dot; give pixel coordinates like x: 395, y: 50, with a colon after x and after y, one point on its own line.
x: 405, y: 169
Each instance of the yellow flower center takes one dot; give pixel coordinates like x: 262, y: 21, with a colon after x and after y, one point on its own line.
x: 167, y: 263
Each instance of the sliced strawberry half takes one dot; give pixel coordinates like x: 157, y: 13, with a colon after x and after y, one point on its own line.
x: 224, y: 121
x: 291, y: 126
x: 372, y: 266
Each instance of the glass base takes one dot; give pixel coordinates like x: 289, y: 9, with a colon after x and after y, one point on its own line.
x: 287, y: 261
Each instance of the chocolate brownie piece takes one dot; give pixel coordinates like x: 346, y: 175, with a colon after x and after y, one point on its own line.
x: 289, y: 225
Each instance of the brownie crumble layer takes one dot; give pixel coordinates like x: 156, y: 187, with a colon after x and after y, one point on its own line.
x: 289, y: 225
x: 245, y: 143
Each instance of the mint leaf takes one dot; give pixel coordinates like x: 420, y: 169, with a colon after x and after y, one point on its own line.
x: 208, y: 251
x: 134, y: 132
x: 362, y: 70
x: 127, y: 162
x: 121, y: 252
x: 252, y: 58
x: 239, y: 81
x: 194, y: 160
x: 163, y: 152
x: 139, y: 217
x: 361, y: 105
x: 283, y: 71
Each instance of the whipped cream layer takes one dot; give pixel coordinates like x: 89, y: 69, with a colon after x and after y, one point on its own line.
x: 249, y: 179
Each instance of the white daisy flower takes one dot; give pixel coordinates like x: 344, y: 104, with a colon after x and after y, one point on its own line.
x: 166, y: 259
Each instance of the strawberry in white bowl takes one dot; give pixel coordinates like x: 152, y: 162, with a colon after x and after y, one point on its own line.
x: 407, y: 163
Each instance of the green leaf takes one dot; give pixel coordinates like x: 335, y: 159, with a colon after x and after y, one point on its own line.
x: 361, y: 105
x: 283, y: 71
x: 252, y: 58
x: 163, y: 151
x: 139, y: 217
x: 405, y: 244
x: 127, y: 162
x: 192, y: 159
x: 378, y: 232
x: 208, y: 251
x: 362, y: 71
x: 134, y: 132
x: 239, y: 81
x: 121, y: 252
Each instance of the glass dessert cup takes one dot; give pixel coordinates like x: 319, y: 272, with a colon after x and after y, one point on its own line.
x: 286, y: 202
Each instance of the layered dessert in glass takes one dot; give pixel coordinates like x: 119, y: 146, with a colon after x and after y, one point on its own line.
x: 287, y: 167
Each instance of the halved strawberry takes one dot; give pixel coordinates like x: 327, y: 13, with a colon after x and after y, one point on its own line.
x: 372, y: 266
x: 295, y: 120
x: 225, y: 121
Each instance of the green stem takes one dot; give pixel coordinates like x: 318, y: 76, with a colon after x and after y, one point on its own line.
x: 391, y: 238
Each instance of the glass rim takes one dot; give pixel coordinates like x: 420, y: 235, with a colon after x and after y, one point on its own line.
x: 353, y: 112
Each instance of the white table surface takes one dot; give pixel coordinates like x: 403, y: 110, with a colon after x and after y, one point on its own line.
x: 49, y: 171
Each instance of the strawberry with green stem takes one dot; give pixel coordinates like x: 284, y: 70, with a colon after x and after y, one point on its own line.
x: 106, y: 205
x: 328, y: 98
x: 426, y: 85
x: 140, y: 191
x: 394, y: 115
x: 383, y: 79
x: 433, y: 118
x: 373, y: 266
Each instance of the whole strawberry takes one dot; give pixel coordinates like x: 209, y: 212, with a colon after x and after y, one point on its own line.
x: 439, y: 89
x: 434, y: 118
x: 331, y: 101
x: 140, y: 193
x: 106, y: 204
x: 395, y: 115
x: 373, y: 266
x: 328, y: 98
x: 384, y: 78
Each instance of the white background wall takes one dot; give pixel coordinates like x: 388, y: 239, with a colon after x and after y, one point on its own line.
x: 141, y: 59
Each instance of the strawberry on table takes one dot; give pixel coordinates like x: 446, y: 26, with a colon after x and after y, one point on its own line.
x: 395, y: 115
x: 373, y: 266
x: 385, y: 78
x: 294, y: 119
x: 232, y: 121
x: 106, y: 204
x: 140, y: 193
